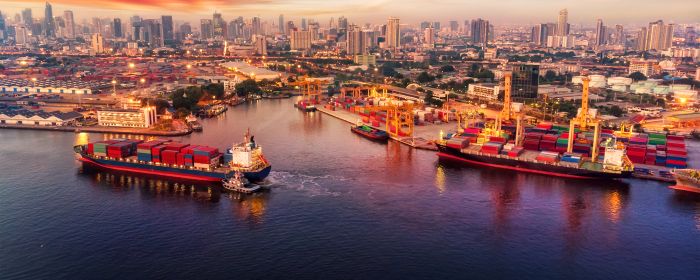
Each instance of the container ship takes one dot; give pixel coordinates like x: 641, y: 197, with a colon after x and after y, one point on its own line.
x: 687, y: 180
x: 177, y: 160
x: 370, y: 133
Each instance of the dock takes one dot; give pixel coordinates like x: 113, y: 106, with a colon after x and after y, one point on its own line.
x: 99, y: 129
x: 419, y: 142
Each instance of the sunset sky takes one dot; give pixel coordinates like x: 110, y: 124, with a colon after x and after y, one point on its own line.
x: 374, y: 11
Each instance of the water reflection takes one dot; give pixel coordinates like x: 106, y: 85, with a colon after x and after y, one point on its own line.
x: 249, y: 207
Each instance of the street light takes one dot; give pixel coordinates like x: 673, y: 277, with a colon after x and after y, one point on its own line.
x: 114, y: 87
x: 34, y: 81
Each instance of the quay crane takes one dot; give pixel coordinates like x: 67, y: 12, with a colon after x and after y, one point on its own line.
x: 311, y: 89
x: 585, y: 119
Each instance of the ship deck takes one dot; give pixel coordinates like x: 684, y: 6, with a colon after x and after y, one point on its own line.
x: 525, y: 155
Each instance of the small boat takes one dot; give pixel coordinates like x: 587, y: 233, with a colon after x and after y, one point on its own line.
x: 305, y: 106
x: 238, y: 183
x: 193, y: 123
x: 686, y: 180
x: 370, y: 132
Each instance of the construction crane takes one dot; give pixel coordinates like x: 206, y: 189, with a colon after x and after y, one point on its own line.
x: 585, y: 120
x: 399, y: 115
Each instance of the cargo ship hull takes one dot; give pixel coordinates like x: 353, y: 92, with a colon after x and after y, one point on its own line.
x: 514, y: 164
x: 370, y: 136
x: 685, y: 183
x: 170, y: 172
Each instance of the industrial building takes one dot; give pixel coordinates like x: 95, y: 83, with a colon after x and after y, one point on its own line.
x: 37, y: 118
x: 140, y: 118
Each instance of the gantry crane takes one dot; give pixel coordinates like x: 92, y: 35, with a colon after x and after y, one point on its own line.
x: 372, y: 91
x: 585, y: 120
x: 311, y: 89
x: 398, y: 116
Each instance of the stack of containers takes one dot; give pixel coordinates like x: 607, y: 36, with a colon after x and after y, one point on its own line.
x: 650, y: 158
x: 143, y: 150
x: 205, y: 157
x: 506, y: 148
x: 119, y: 150
x: 563, y: 142
x: 168, y: 156
x: 155, y: 152
x: 657, y: 139
x: 100, y: 148
x: 636, y: 153
x: 571, y: 157
x: 676, y: 154
x: 548, y: 143
x: 188, y: 155
x: 493, y: 148
x: 457, y: 142
x: 471, y: 134
x: 515, y: 152
x: 548, y: 157
x: 582, y: 146
x: 532, y: 141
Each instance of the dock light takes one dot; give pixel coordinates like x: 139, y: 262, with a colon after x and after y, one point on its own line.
x: 188, y: 52
x: 189, y: 66
x: 132, y: 65
x: 143, y: 81
x: 114, y: 82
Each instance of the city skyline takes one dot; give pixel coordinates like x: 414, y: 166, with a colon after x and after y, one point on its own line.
x: 682, y: 11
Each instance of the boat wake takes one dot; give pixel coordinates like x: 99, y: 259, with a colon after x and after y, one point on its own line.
x: 309, y: 184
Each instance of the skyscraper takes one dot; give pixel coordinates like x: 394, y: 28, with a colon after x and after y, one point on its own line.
x: 393, y: 33
x: 117, y: 27
x: 49, y: 27
x: 356, y: 43
x: 218, y: 25
x: 70, y: 24
x: 281, y: 23
x: 659, y: 36
x: 454, y: 26
x: 167, y: 32
x: 342, y: 24
x: 2, y: 27
x: 300, y: 40
x: 97, y: 43
x: 303, y: 24
x: 257, y: 26
x: 600, y: 33
x: 27, y: 18
x: 562, y: 23
x: 480, y: 31
x: 205, y: 29
x: 429, y: 37
x: 620, y: 35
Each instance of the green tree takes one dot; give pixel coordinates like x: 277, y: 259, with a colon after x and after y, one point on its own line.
x: 247, y: 87
x: 616, y: 111
x: 216, y: 90
x: 550, y: 75
x: 187, y: 98
x: 484, y: 74
x: 637, y: 76
x: 424, y: 77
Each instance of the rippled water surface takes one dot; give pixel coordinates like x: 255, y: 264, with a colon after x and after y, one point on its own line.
x: 340, y: 207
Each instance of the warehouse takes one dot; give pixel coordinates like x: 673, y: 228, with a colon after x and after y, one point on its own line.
x: 37, y: 118
x: 143, y: 118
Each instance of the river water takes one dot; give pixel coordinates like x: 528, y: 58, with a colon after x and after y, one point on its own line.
x: 340, y: 207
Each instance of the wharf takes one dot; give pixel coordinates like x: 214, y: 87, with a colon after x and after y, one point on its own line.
x: 414, y: 142
x: 100, y: 129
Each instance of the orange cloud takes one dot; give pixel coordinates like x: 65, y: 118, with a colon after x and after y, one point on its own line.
x: 173, y: 5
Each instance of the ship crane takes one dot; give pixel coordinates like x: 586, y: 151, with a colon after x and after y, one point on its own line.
x: 507, y: 114
x: 585, y: 120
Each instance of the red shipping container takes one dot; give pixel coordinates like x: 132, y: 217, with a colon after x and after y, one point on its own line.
x: 180, y: 159
x: 202, y: 159
x: 174, y: 146
x: 91, y: 148
x: 156, y: 150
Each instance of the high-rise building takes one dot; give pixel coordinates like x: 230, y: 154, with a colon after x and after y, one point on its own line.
x: 260, y: 45
x: 393, y: 33
x: 429, y: 37
x: 526, y: 79
x: 436, y: 25
x: 117, y: 28
x: 184, y: 31
x: 281, y: 23
x: 150, y: 32
x: 70, y: 24
x: 562, y: 23
x: 600, y: 34
x: 620, y: 35
x: 218, y: 26
x: 290, y: 27
x: 97, y: 43
x: 342, y: 24
x: 21, y: 35
x: 167, y: 32
x: 300, y: 40
x: 642, y: 39
x: 659, y: 36
x: 3, y: 31
x: 303, y: 24
x: 540, y: 32
x: 27, y: 18
x: 257, y: 26
x: 424, y: 25
x: 454, y: 26
x: 49, y: 26
x: 205, y: 30
x: 480, y: 31
x: 356, y: 43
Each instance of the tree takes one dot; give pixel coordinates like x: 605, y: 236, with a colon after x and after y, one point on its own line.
x: 187, y: 98
x: 424, y: 77
x: 616, y: 111
x: 247, y: 87
x: 484, y: 74
x: 550, y: 76
x: 216, y: 90
x: 388, y: 71
x: 447, y: 68
x: 161, y: 104
x: 637, y: 76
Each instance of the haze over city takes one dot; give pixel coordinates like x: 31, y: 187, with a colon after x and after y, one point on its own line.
x: 634, y: 12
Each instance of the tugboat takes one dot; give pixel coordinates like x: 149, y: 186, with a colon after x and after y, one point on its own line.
x: 193, y: 123
x: 687, y: 180
x: 305, y: 106
x: 370, y: 132
x: 238, y: 183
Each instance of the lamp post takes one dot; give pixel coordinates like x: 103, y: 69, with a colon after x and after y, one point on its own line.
x: 114, y: 87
